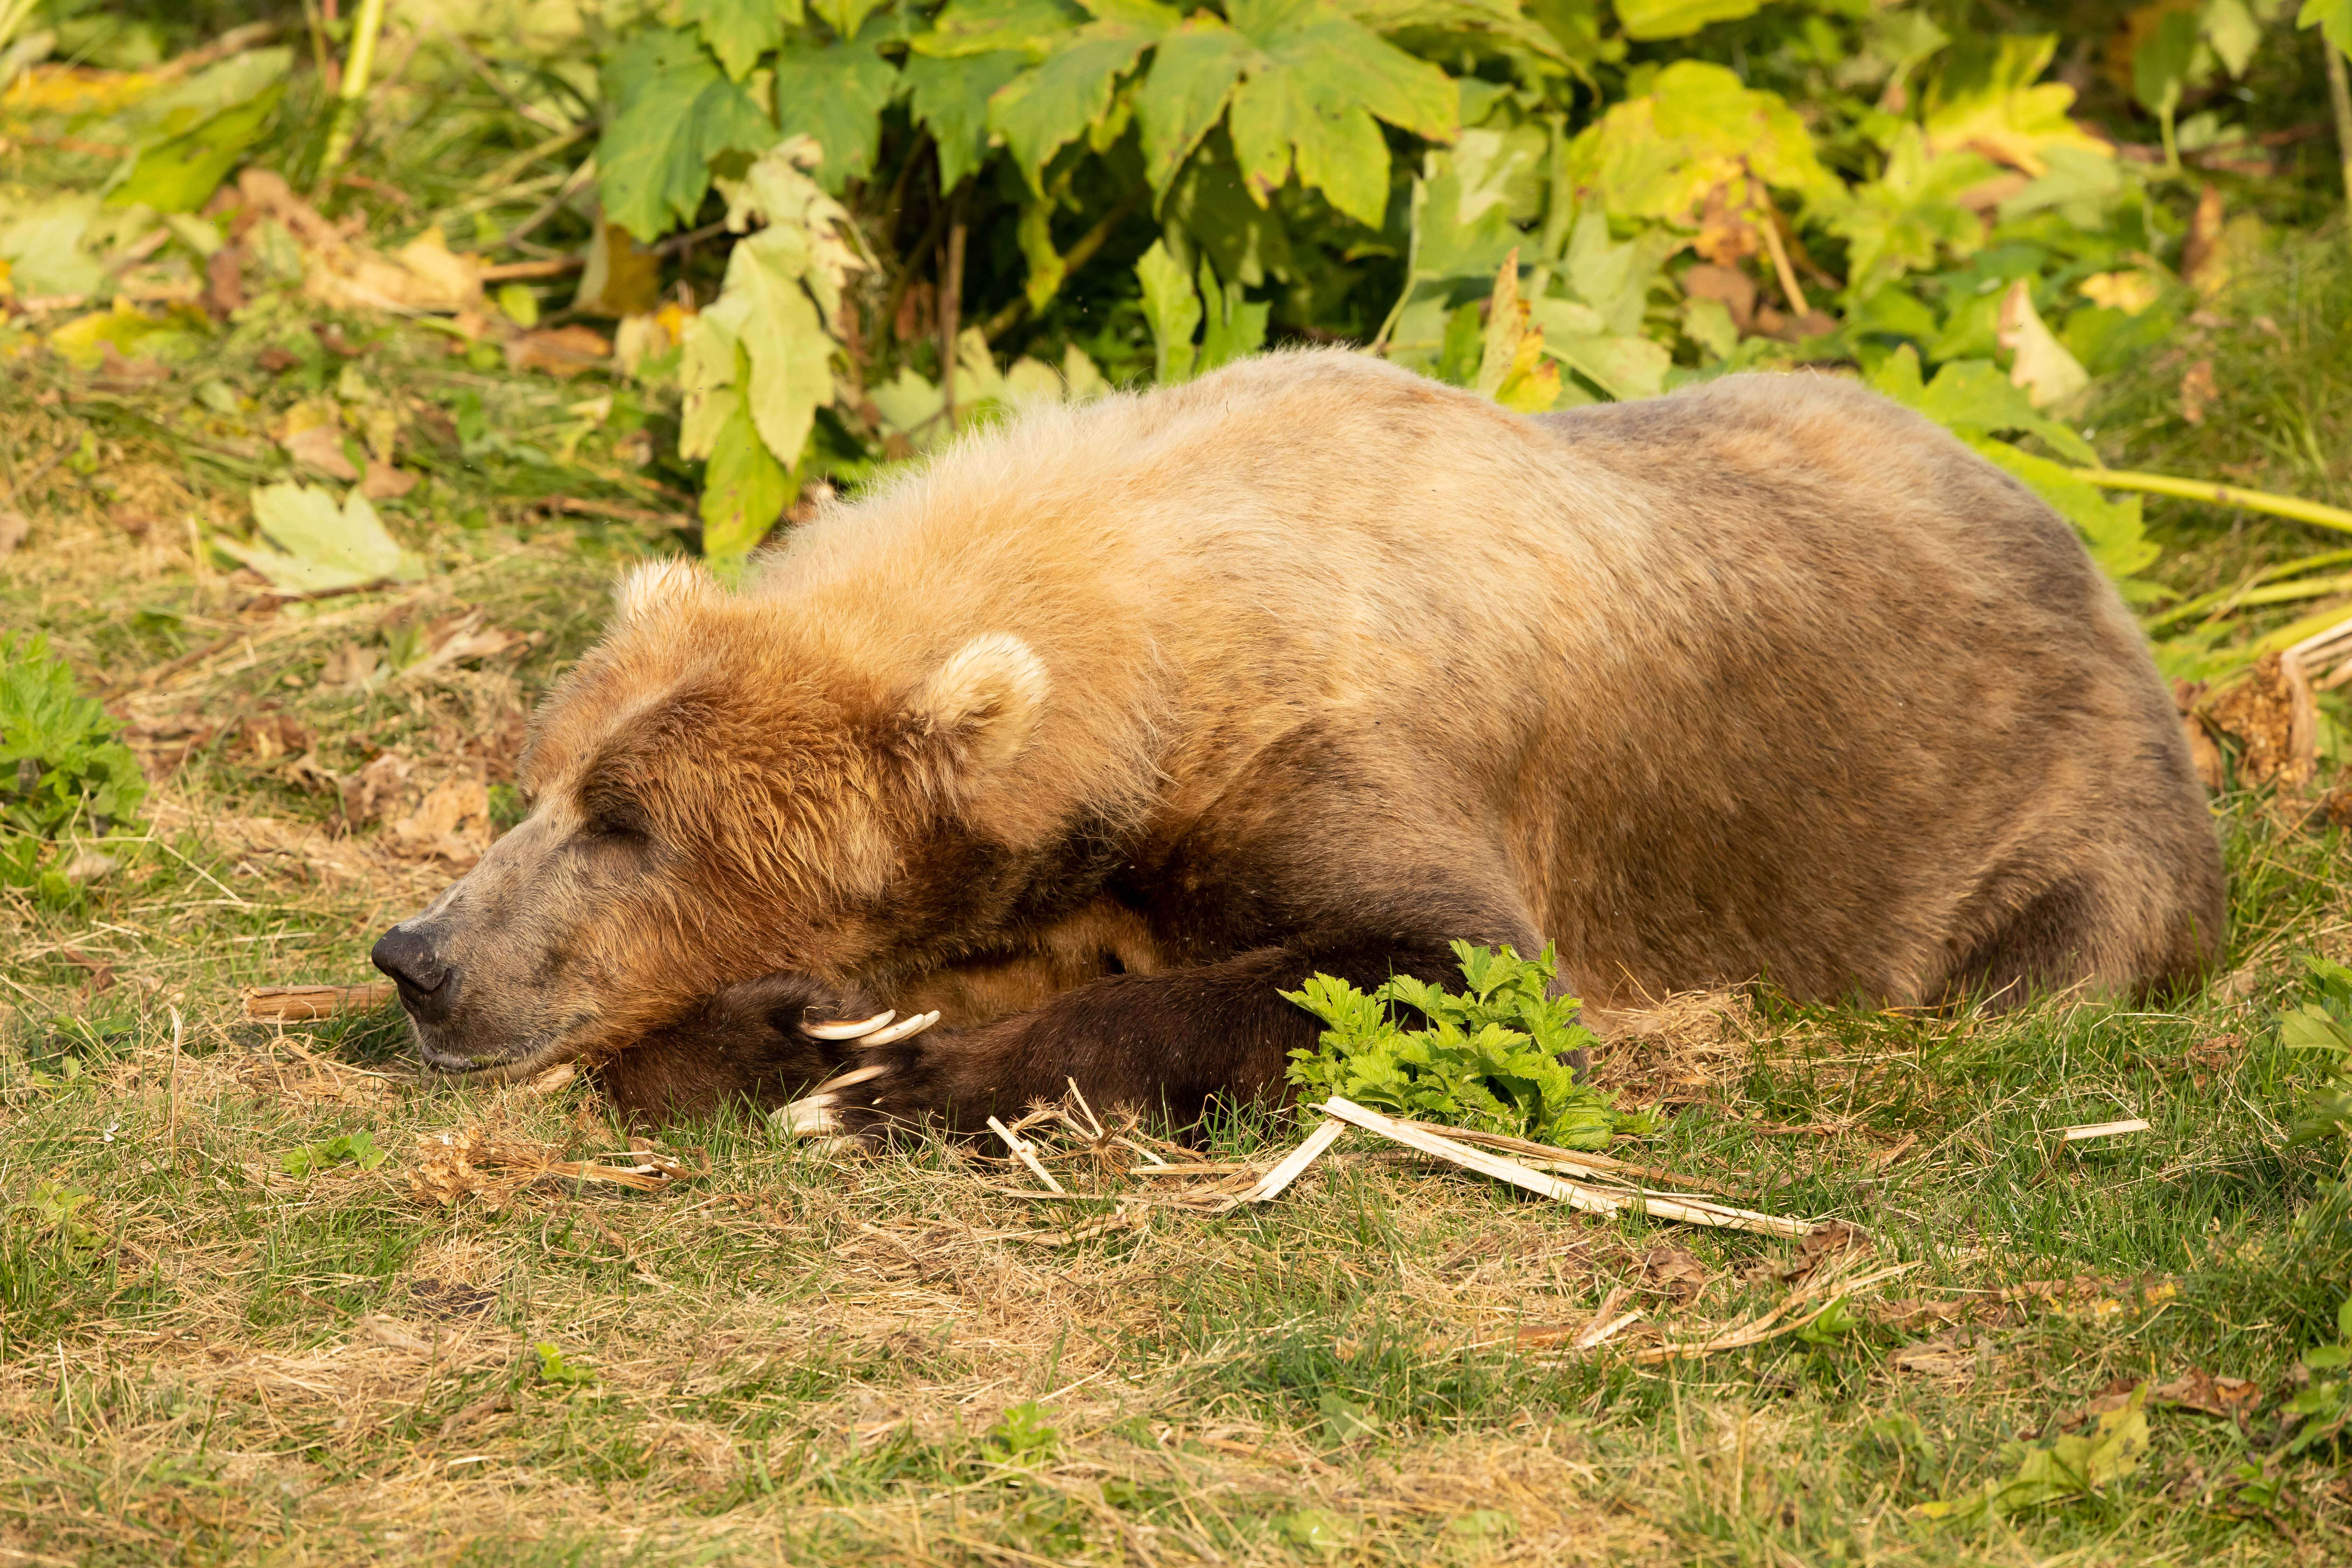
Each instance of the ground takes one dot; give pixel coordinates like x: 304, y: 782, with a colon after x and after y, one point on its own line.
x: 255, y: 1309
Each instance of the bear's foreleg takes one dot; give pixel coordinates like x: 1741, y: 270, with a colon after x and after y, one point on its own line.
x: 750, y: 1043
x: 1166, y: 1044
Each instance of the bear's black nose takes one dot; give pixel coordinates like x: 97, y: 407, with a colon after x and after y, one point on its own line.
x: 424, y: 980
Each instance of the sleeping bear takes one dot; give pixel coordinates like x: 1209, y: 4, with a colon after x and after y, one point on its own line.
x: 1104, y: 726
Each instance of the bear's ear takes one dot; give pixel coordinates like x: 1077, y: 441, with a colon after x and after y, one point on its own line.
x: 983, y: 705
x: 660, y: 588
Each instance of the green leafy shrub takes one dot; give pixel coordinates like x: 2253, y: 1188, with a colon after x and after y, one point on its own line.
x: 2322, y: 1026
x: 1554, y: 202
x: 1489, y: 1060
x: 63, y: 774
x: 2324, y: 1406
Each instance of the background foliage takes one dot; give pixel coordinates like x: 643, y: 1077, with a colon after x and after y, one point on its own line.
x: 1687, y: 187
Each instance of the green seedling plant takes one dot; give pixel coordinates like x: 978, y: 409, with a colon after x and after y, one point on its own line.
x: 555, y: 1370
x: 61, y: 764
x: 2323, y: 1027
x: 350, y: 1148
x: 2324, y: 1406
x: 1489, y: 1059
x: 1022, y: 1436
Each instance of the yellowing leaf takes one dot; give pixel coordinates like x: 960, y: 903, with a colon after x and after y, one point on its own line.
x: 179, y: 173
x: 1032, y: 28
x: 623, y: 276
x: 2043, y: 366
x: 42, y: 242
x: 1650, y: 19
x: 2074, y: 1465
x: 319, y: 547
x: 1698, y: 132
x: 1998, y: 105
x: 1507, y: 326
x: 2130, y: 293
x: 1910, y: 216
x: 1173, y: 309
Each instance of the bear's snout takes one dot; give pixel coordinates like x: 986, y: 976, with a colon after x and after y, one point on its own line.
x: 427, y: 984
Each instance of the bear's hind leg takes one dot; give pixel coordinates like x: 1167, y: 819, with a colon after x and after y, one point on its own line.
x: 2124, y: 927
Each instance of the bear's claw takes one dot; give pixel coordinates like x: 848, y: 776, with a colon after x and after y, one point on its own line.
x: 812, y: 1115
x: 901, y: 1029
x: 848, y: 1030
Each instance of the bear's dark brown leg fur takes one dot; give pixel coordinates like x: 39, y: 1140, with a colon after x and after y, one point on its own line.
x: 745, y: 1044
x: 1164, y: 1045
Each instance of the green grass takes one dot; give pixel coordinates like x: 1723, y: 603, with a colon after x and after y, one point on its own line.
x: 810, y: 1359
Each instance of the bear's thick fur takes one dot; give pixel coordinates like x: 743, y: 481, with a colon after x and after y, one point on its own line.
x: 1106, y: 725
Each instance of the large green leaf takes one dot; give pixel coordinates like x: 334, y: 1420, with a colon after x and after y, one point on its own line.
x: 1208, y: 207
x: 763, y: 304
x: 1173, y: 311
x: 1313, y: 80
x: 1192, y: 76
x: 837, y: 94
x: 314, y: 546
x: 673, y: 111
x: 1990, y: 96
x: 1338, y: 149
x: 1346, y: 63
x: 1030, y: 28
x: 2160, y: 64
x: 1905, y: 220
x: 2332, y: 18
x: 739, y: 31
x: 1646, y: 20
x: 1462, y: 217
x: 179, y: 173
x: 1696, y: 132
x: 744, y: 489
x: 1040, y: 111
x: 949, y: 98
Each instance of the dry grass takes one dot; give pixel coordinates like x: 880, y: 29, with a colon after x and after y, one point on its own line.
x: 780, y: 1355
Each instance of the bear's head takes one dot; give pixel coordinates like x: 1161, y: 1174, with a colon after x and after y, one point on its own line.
x: 717, y: 791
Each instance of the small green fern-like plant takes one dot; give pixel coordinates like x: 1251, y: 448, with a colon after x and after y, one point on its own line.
x: 63, y: 773
x: 1489, y: 1058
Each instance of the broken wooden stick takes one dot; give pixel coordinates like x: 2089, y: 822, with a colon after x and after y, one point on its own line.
x: 1271, y: 1184
x: 1576, y: 1194
x: 1771, y: 1325
x: 2103, y: 1130
x: 1572, y: 1162
x: 299, y: 1003
x: 1026, y: 1155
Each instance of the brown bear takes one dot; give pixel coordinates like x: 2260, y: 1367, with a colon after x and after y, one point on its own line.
x: 1108, y: 724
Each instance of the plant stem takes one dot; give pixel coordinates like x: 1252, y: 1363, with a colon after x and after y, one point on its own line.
x: 2310, y: 511
x: 353, y: 93
x: 2339, y: 100
x: 951, y: 303
x: 2228, y: 599
x: 1077, y: 256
